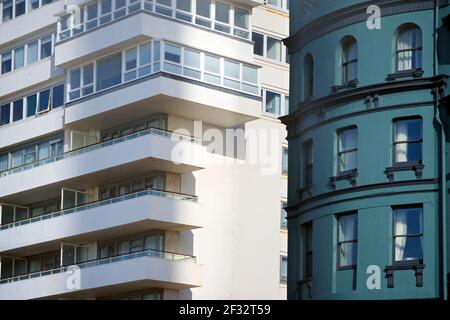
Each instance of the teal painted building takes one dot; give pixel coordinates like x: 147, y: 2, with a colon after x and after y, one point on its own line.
x: 369, y: 133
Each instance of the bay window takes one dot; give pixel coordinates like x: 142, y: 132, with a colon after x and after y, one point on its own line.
x: 408, y: 234
x: 347, y: 245
x: 408, y: 141
x: 347, y: 150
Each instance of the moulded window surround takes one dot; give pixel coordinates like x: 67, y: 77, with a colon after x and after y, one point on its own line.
x: 12, y: 9
x: 152, y: 57
x: 215, y: 15
x: 27, y: 54
x: 32, y: 104
x: 275, y: 103
x: 269, y: 48
x: 349, y: 60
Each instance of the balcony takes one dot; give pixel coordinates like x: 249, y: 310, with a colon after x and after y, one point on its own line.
x: 130, y: 155
x: 132, y: 22
x: 134, y: 271
x: 132, y: 213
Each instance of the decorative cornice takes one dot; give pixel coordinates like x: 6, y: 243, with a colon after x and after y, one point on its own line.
x: 309, y: 107
x: 351, y: 15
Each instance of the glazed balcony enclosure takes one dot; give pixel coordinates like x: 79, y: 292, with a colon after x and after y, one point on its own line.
x: 127, y: 156
x: 147, y: 268
x: 86, y: 30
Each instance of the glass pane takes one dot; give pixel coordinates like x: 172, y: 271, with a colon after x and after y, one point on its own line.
x: 172, y: 53
x: 184, y: 5
x: 32, y: 52
x: 348, y: 161
x: 348, y: 227
x: 21, y: 213
x: 348, y: 254
x: 348, y: 139
x: 18, y: 110
x: 44, y: 100
x: 408, y: 130
x: 109, y: 71
x: 203, y: 8
x: 7, y: 214
x: 273, y: 102
x: 192, y: 58
x: 106, y: 6
x: 408, y: 221
x: 131, y: 59
x: 241, y: 18
x: 222, y: 12
x: 232, y: 69
x: 144, y: 54
x: 19, y: 57
x: 124, y: 247
x: 68, y: 255
x: 274, y: 49
x: 69, y: 199
x: 88, y: 74
x: 74, y: 79
x: 6, y: 62
x: 5, y: 114
x: 7, y: 10
x: 408, y: 249
x: 43, y: 150
x: 81, y: 254
x: 30, y: 155
x: 20, y: 267
x: 7, y: 268
x: 212, y: 63
x: 31, y: 105
x: 250, y: 74
x: 258, y: 46
x: 405, y: 152
x: 4, y: 162
x: 58, y: 96
x: 46, y: 47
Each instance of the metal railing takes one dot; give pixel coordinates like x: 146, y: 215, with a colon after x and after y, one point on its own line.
x: 99, y: 145
x: 97, y: 262
x: 101, y: 203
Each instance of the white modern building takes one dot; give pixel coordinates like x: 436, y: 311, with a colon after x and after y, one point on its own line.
x: 140, y: 152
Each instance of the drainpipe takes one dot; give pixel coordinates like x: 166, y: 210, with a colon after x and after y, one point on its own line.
x: 443, y: 157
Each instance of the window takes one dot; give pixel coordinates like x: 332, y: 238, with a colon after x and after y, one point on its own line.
x: 258, y: 46
x: 46, y: 47
x: 241, y: 19
x: 280, y: 4
x: 203, y: 12
x: 72, y: 198
x: 20, y: 7
x: 164, y: 7
x: 44, y: 101
x: 172, y: 55
x: 409, y: 48
x: 283, y: 215
x: 274, y: 48
x: 33, y: 4
x: 192, y: 64
x: 109, y: 71
x: 91, y: 15
x: 184, y: 10
x: 222, y: 17
x: 308, y: 77
x: 408, y: 235
x: 308, y: 163
x: 273, y: 102
x: 212, y: 69
x: 4, y: 114
x: 31, y: 105
x: 347, y: 150
x: 33, y: 52
x: 308, y: 249
x: 349, y: 60
x: 7, y: 10
x: 347, y: 245
x: 17, y: 110
x: 232, y: 74
x: 283, y: 269
x: 58, y: 96
x: 408, y: 141
x: 19, y: 58
x: 6, y: 62
x: 285, y: 161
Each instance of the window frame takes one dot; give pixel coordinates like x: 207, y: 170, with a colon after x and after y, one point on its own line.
x: 407, y: 142
x: 400, y: 31
x: 339, y: 242
x: 419, y: 235
x: 340, y: 153
x: 308, y: 167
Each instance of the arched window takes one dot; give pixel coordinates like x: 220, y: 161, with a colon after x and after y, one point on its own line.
x: 409, y: 48
x: 349, y: 60
x: 308, y: 76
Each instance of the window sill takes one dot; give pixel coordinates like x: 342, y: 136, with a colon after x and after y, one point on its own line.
x: 301, y: 192
x: 414, y: 73
x: 349, y: 85
x: 417, y: 266
x: 350, y: 175
x: 416, y: 167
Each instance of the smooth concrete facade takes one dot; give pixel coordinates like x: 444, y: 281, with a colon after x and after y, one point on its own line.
x: 377, y: 186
